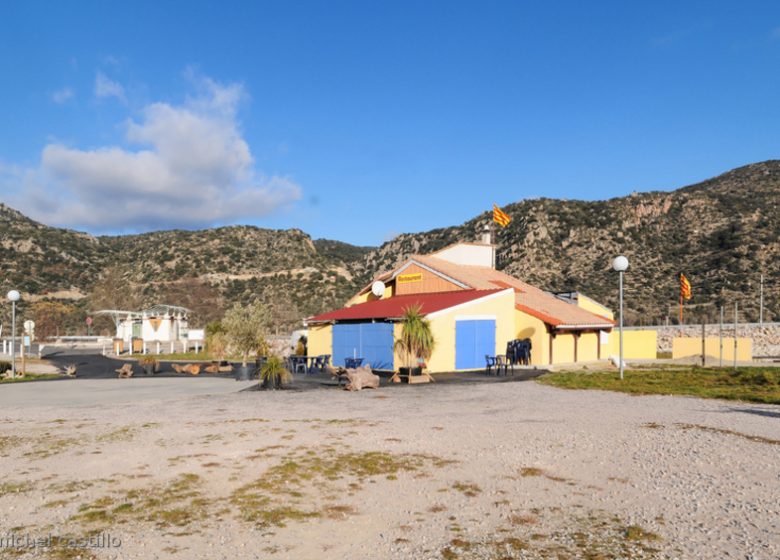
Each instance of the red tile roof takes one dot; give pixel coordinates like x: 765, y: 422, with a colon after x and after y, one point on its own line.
x: 528, y: 298
x: 394, y: 307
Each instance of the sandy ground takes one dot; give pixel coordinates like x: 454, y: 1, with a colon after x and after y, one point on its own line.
x: 516, y: 470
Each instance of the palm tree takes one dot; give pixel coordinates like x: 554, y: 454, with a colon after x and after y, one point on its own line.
x: 416, y: 341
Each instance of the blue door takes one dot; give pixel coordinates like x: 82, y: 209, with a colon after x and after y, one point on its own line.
x: 371, y: 341
x: 474, y: 339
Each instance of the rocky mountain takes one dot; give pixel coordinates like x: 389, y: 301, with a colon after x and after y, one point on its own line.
x: 205, y: 270
x: 723, y: 233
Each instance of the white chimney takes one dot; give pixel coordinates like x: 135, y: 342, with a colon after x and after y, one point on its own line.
x: 487, y: 235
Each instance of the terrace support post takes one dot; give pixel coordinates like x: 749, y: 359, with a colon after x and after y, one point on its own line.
x: 598, y: 344
x: 158, y: 347
x: 576, y: 341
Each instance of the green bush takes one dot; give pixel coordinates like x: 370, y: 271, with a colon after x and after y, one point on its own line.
x: 4, y: 367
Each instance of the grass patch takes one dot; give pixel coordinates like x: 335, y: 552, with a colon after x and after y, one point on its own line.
x: 48, y: 446
x: 14, y: 488
x: 753, y: 384
x: 121, y: 434
x: 467, y: 489
x: 593, y: 536
x: 176, y: 504
x: 9, y: 442
x: 757, y: 439
x: 286, y: 491
x: 31, y: 377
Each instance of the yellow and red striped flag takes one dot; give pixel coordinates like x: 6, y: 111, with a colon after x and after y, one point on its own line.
x: 500, y: 217
x: 685, y: 287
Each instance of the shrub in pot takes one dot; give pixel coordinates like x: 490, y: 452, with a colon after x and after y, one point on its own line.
x: 416, y: 342
x: 149, y: 364
x: 273, y: 374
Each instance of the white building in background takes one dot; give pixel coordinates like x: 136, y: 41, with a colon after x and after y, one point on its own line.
x: 164, y: 324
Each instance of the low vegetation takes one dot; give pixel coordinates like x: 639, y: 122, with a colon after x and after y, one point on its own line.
x: 753, y: 384
x: 30, y: 377
x: 593, y: 535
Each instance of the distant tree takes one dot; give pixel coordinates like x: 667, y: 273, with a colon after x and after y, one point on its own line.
x: 246, y: 328
x: 50, y: 317
x: 204, y: 301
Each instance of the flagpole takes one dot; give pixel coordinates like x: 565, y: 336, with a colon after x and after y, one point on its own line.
x: 493, y: 243
x: 681, y: 309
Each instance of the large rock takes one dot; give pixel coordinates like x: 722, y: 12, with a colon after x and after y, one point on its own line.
x: 361, y: 378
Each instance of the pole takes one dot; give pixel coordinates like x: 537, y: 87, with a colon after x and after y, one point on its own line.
x: 493, y: 247
x: 13, y: 339
x: 761, y: 303
x: 681, y: 312
x: 736, y: 308
x: 621, y: 324
x: 703, y: 348
x: 720, y: 336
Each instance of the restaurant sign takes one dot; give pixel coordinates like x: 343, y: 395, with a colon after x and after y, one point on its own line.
x: 406, y: 278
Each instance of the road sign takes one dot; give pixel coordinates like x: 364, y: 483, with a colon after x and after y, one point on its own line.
x: 29, y: 326
x: 89, y: 321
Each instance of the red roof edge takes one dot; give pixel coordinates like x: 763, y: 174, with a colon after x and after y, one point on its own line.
x: 550, y: 320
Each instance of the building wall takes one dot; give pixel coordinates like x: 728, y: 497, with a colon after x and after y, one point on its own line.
x: 320, y: 340
x: 687, y: 347
x: 369, y: 295
x: 637, y: 345
x: 468, y: 254
x: 500, y: 306
x: 593, y: 306
x: 163, y: 333
x: 528, y: 326
x: 587, y: 347
x: 563, y: 348
x: 427, y: 283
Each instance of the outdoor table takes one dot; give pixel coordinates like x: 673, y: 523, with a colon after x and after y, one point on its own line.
x: 352, y: 363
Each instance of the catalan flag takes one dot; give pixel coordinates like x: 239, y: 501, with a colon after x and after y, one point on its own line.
x: 500, y: 217
x: 685, y: 288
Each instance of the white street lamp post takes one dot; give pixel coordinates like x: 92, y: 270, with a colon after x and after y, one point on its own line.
x: 13, y: 296
x: 620, y: 264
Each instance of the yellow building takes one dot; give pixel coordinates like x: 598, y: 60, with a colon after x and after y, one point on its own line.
x: 474, y: 310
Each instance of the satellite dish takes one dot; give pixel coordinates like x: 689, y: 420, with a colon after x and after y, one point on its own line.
x: 378, y: 288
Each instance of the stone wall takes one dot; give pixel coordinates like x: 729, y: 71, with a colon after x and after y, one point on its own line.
x: 766, y: 337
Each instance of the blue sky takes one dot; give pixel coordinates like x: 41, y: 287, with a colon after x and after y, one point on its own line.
x: 361, y: 120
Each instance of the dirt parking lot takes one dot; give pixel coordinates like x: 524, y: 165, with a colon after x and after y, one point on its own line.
x: 507, y: 470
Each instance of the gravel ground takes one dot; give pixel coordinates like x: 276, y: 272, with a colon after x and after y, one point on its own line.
x: 514, y: 470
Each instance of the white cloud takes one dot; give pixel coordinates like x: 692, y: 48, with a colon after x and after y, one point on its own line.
x: 106, y: 87
x: 62, y: 95
x: 191, y: 167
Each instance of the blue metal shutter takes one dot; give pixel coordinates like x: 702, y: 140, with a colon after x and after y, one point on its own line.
x: 371, y: 341
x: 474, y: 339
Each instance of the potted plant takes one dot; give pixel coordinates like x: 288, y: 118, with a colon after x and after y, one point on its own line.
x: 273, y: 374
x: 149, y: 364
x: 416, y: 342
x: 246, y: 328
